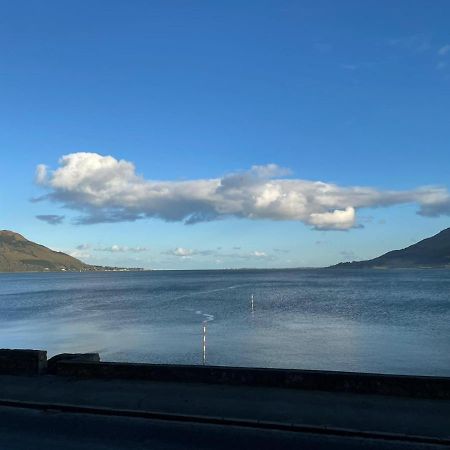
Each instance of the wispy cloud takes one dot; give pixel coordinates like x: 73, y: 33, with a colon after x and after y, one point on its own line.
x: 105, y: 189
x: 51, y: 219
x: 416, y: 43
x: 81, y: 254
x: 188, y: 253
x: 422, y: 44
x: 121, y: 249
x: 444, y: 50
x: 182, y: 252
x: 258, y: 254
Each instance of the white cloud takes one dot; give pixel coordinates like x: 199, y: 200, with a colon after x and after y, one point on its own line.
x: 182, y: 252
x: 121, y: 249
x: 79, y: 254
x: 444, y: 50
x: 187, y: 253
x: 105, y: 189
x: 41, y: 173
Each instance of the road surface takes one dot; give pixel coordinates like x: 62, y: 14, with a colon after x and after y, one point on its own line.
x: 25, y: 429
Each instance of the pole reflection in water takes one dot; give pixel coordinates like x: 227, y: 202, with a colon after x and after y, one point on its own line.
x: 204, y: 343
x: 253, y: 305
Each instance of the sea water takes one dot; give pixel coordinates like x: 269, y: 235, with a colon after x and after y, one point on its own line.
x: 388, y: 321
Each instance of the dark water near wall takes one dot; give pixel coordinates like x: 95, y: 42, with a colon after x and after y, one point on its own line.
x: 375, y: 321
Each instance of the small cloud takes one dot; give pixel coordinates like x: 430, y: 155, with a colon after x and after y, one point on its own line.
x: 121, y: 249
x: 441, y: 65
x: 280, y: 250
x: 444, y: 50
x: 335, y: 220
x: 320, y: 242
x: 51, y: 219
x: 258, y: 254
x: 237, y: 248
x: 182, y: 252
x: 41, y: 174
x: 79, y: 254
x: 218, y: 255
x: 83, y: 247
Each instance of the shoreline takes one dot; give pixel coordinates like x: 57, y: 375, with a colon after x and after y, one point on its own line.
x: 243, y: 269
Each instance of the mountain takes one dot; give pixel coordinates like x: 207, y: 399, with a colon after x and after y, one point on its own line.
x: 17, y: 254
x: 433, y: 252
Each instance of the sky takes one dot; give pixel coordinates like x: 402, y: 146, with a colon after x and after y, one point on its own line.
x: 203, y: 135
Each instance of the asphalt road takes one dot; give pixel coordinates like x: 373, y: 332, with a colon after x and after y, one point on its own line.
x: 22, y: 429
x: 375, y: 413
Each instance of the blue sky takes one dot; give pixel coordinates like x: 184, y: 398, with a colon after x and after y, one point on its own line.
x: 352, y: 94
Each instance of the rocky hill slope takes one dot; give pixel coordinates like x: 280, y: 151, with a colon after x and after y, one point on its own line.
x: 433, y: 252
x: 17, y: 254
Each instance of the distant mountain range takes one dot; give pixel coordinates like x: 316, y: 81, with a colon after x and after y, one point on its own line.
x: 18, y: 254
x: 433, y: 252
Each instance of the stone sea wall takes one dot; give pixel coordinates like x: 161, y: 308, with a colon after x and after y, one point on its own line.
x: 88, y: 365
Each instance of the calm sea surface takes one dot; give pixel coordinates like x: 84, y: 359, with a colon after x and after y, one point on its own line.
x: 374, y: 321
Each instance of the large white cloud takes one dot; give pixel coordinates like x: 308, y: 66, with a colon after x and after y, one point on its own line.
x: 105, y: 189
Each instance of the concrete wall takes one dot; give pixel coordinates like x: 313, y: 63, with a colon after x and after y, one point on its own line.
x: 52, y: 363
x: 410, y: 386
x: 23, y: 362
x: 34, y: 362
